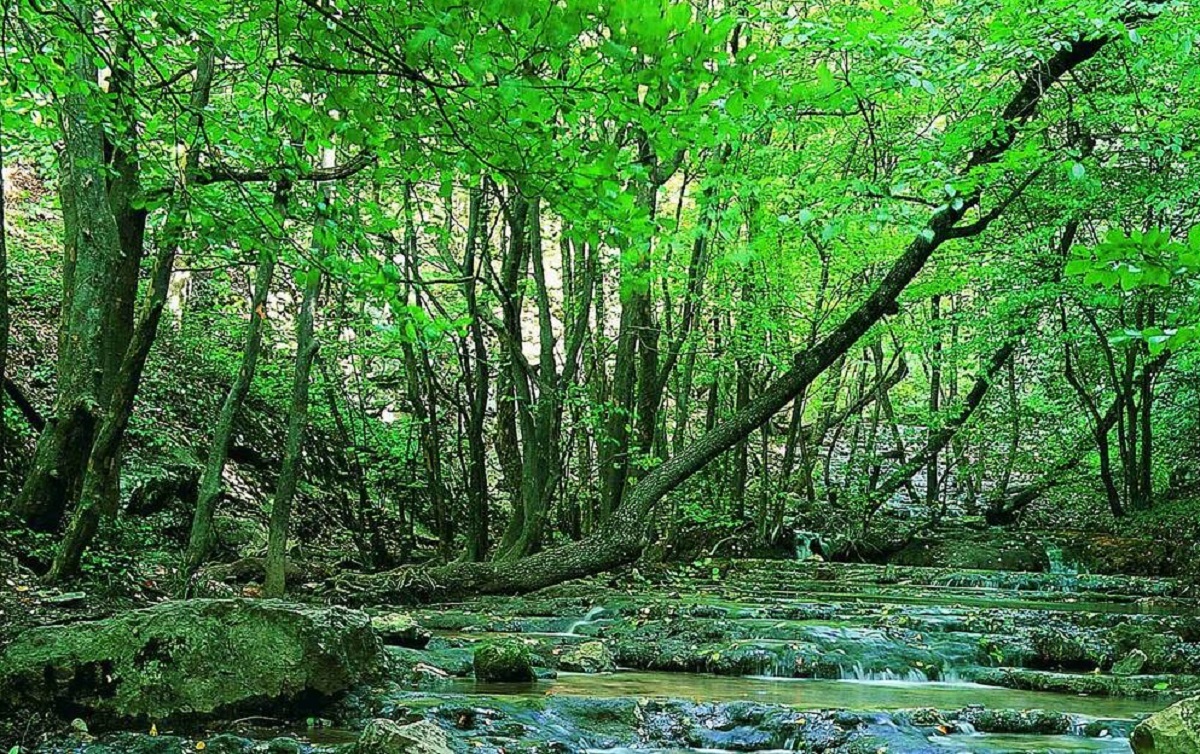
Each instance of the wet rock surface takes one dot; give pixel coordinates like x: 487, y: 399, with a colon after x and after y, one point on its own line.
x: 191, y: 659
x: 504, y: 661
x: 845, y: 659
x: 1175, y: 730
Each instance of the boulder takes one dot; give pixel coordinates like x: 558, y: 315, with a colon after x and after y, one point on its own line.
x: 1175, y: 730
x: 383, y: 736
x: 588, y: 657
x: 400, y: 630
x: 192, y: 659
x: 1130, y: 664
x: 503, y: 661
x: 284, y: 745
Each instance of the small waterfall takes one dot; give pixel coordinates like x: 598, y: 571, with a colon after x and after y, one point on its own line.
x: 1054, y: 554
x: 859, y: 673
x: 809, y: 546
x: 962, y: 726
x: 585, y: 621
x: 782, y: 664
x: 1068, y: 575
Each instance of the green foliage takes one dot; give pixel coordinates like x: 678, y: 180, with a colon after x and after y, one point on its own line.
x: 1146, y: 262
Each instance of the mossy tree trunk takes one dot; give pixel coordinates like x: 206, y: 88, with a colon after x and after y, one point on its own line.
x: 97, y: 498
x: 4, y: 322
x: 91, y: 267
x: 478, y: 387
x: 201, y: 538
x: 274, y: 578
x: 274, y: 581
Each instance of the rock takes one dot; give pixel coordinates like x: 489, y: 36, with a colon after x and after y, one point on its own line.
x: 401, y: 630
x: 589, y: 657
x: 1130, y: 664
x: 1020, y: 722
x: 242, y: 534
x: 191, y: 659
x: 284, y: 745
x: 68, y: 598
x: 382, y: 736
x: 1175, y: 730
x: 1070, y: 648
x: 503, y: 661
x: 227, y: 743
x: 139, y: 743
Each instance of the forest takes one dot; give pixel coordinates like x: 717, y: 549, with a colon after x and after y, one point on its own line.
x: 607, y: 376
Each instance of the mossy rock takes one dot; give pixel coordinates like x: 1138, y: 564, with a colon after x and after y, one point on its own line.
x: 192, y: 659
x: 400, y: 630
x: 1130, y: 664
x: 1070, y: 648
x: 383, y: 736
x: 1175, y: 730
x: 503, y: 661
x: 589, y: 657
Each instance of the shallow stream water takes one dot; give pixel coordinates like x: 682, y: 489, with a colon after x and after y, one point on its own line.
x: 807, y: 694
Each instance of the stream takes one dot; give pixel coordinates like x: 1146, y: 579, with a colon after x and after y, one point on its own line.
x: 764, y: 657
x: 807, y: 694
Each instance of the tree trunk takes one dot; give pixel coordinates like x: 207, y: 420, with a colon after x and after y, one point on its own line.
x: 941, y: 438
x: 479, y: 385
x: 935, y: 397
x: 90, y: 274
x: 274, y: 579
x: 4, y: 324
x: 211, y: 487
x: 96, y: 500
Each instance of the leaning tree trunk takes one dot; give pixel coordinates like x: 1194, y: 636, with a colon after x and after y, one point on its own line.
x: 938, y: 440
x: 211, y: 487
x: 96, y: 500
x: 623, y: 538
x: 274, y: 580
x: 1004, y: 507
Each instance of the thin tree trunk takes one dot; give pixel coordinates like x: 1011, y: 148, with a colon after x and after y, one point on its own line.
x: 274, y: 577
x: 5, y: 323
x: 935, y: 392
x: 477, y: 485
x: 211, y: 487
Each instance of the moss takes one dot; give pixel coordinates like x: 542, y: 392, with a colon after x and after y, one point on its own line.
x: 192, y: 659
x: 589, y: 657
x: 503, y: 661
x: 1175, y: 730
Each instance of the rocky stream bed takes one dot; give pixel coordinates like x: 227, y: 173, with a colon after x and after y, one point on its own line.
x: 742, y: 656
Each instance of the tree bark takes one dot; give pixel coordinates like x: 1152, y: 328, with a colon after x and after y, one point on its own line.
x: 92, y: 259
x: 98, y: 499
x: 274, y: 577
x: 211, y: 487
x: 478, y: 538
x: 5, y: 322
